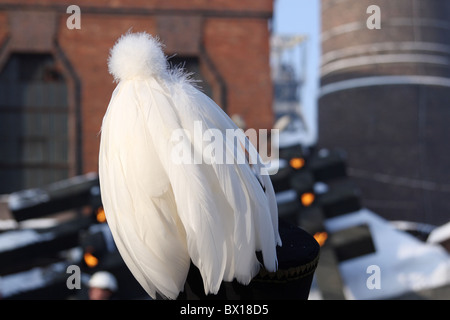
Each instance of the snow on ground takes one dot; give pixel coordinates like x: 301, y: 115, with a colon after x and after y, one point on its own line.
x: 29, y: 280
x: 20, y: 238
x: 405, y: 263
x: 440, y: 234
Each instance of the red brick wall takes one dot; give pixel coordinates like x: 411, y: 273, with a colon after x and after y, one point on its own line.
x: 240, y: 50
x: 87, y: 50
x: 3, y: 26
x: 188, y: 5
x: 234, y: 36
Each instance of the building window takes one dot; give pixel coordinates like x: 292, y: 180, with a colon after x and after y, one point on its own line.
x: 33, y: 123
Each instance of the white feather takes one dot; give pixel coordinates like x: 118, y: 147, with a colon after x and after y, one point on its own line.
x: 163, y: 213
x: 136, y: 56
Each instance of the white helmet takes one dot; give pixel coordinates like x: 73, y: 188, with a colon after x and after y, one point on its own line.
x: 103, y: 280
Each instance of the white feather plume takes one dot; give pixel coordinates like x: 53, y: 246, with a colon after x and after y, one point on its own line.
x: 137, y: 56
x: 164, y: 214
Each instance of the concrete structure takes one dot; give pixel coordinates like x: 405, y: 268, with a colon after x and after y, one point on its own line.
x: 385, y: 99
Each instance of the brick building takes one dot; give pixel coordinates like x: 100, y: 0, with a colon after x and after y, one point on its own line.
x: 385, y: 100
x: 55, y: 86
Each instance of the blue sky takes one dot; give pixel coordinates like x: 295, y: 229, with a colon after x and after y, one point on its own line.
x: 303, y: 17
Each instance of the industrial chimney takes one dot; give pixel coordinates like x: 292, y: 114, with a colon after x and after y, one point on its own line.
x: 385, y: 99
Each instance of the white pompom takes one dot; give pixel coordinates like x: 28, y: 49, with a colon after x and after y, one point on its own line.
x: 136, y: 56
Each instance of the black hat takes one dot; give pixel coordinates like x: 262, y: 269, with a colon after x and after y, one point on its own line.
x: 297, y: 262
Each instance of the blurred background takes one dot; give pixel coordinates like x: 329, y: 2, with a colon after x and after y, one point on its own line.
x: 362, y: 115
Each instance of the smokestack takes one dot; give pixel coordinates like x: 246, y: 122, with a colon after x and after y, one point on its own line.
x: 385, y: 99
